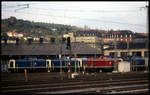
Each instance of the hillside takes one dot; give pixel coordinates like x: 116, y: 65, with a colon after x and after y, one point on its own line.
x: 34, y: 28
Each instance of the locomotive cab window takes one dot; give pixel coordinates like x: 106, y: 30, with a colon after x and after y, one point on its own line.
x: 11, y: 64
x: 48, y: 63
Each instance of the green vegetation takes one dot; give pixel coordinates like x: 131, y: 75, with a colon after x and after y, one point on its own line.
x: 34, y: 28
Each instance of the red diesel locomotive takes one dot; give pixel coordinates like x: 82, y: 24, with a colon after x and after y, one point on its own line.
x: 100, y: 64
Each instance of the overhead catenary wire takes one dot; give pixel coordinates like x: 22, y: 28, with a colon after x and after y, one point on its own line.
x: 50, y: 3
x: 8, y: 6
x: 69, y: 17
x: 73, y: 10
x: 80, y: 10
x: 27, y: 6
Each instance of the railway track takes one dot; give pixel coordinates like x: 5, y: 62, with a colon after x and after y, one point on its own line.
x: 98, y: 84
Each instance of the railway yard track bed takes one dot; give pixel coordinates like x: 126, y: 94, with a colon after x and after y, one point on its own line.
x: 98, y: 83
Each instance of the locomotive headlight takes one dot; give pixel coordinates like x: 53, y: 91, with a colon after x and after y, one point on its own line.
x: 34, y: 63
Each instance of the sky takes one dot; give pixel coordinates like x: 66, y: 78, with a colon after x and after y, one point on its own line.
x: 95, y: 15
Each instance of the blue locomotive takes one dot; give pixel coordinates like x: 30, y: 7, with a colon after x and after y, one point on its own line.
x: 138, y: 63
x: 31, y: 64
x: 65, y: 65
x: 58, y: 65
x: 34, y: 64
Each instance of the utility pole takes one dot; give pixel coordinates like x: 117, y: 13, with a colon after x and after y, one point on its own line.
x: 147, y: 29
x: 75, y: 56
x: 147, y: 44
x: 94, y: 46
x: 147, y: 19
x: 102, y: 46
x: 115, y: 44
x: 127, y: 46
x: 115, y: 48
x: 60, y: 55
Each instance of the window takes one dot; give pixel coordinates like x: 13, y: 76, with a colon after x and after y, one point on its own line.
x: 145, y: 53
x: 124, y: 54
x: 47, y: 63
x: 11, y: 64
x: 130, y: 35
x: 136, y: 53
x: 112, y: 54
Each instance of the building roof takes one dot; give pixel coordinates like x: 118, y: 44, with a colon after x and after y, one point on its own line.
x: 46, y: 49
x: 87, y: 33
x: 123, y: 45
x: 119, y: 32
